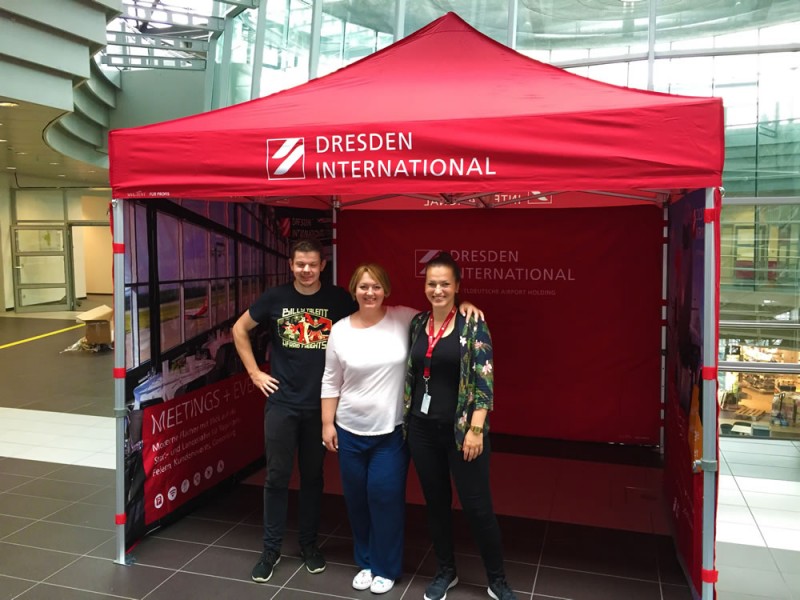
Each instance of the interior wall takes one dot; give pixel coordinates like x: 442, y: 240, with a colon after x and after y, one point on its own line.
x: 135, y: 105
x: 78, y: 262
x: 98, y: 259
x: 6, y: 282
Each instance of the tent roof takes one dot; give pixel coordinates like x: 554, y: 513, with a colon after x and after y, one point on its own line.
x: 446, y: 109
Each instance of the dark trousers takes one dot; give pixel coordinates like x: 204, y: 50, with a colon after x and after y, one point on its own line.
x: 288, y: 430
x: 374, y: 469
x: 433, y: 450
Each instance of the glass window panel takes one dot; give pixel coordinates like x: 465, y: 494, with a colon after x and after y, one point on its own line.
x: 142, y: 249
x: 490, y: 17
x: 610, y: 28
x: 89, y: 205
x: 131, y: 356
x: 42, y: 270
x: 287, y: 39
x: 232, y: 309
x: 242, y: 50
x: 724, y: 23
x: 196, y: 309
x: 143, y: 321
x: 218, y: 212
x: 198, y: 206
x: 760, y: 263
x: 615, y: 73
x: 41, y: 296
x: 170, y: 309
x: 40, y: 240
x: 220, y: 306
x: 759, y: 405
x: 169, y: 248
x: 219, y: 256
x: 195, y: 252
x: 39, y: 205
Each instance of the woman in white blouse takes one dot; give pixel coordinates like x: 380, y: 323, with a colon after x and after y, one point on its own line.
x: 362, y: 416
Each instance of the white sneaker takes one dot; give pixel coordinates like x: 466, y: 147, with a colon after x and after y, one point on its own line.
x: 363, y: 580
x: 381, y: 585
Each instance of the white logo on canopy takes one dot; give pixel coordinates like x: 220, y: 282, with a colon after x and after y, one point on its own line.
x: 286, y: 158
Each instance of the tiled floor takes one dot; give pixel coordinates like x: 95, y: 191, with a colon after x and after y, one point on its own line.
x: 57, y: 539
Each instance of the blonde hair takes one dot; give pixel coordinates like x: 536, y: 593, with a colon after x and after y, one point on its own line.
x: 377, y: 272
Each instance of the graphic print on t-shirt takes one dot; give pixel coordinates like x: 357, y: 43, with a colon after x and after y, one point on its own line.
x: 307, y: 328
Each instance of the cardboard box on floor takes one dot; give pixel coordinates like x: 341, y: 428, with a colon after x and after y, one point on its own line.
x: 99, y: 326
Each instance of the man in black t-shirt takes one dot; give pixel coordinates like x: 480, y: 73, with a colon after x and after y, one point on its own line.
x: 299, y: 316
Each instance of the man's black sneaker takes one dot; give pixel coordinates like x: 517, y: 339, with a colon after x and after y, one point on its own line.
x: 265, y: 566
x: 500, y: 590
x: 444, y: 579
x: 315, y: 562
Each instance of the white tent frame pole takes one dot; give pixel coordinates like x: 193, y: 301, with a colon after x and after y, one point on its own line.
x: 120, y: 412
x: 709, y: 462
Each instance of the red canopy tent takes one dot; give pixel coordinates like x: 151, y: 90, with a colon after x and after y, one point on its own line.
x: 445, y: 118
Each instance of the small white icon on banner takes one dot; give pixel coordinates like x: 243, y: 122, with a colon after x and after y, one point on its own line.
x: 209, y: 472
x: 286, y: 158
x: 185, y: 486
x: 220, y: 466
x: 172, y: 493
x: 196, y: 478
x: 159, y: 501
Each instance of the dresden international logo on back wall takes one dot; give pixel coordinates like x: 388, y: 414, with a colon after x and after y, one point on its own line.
x: 286, y: 158
x: 421, y: 259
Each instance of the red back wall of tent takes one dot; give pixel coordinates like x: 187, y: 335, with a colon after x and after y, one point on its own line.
x: 572, y: 297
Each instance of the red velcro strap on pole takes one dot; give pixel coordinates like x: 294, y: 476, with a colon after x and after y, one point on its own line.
x: 711, y: 215
x: 120, y: 519
x: 119, y: 373
x: 709, y: 576
x: 118, y: 248
x: 709, y: 373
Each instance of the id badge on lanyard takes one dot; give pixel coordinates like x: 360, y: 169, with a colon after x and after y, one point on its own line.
x: 426, y: 371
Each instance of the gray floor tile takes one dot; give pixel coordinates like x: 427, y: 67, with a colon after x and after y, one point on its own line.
x: 80, y: 474
x: 9, y: 482
x: 764, y: 460
x: 31, y: 563
x: 11, y: 587
x: 31, y: 507
x: 193, y: 586
x: 675, y: 592
x: 766, y: 472
x: 243, y: 537
x: 739, y: 555
x: 744, y: 580
x: 602, y: 551
x: 58, y: 490
x: 586, y: 586
x: 105, y: 497
x: 86, y: 515
x: 190, y: 529
x: 788, y: 561
x: 237, y: 564
x: 57, y: 536
x: 29, y: 468
x: 46, y: 591
x: 104, y: 576
x: 157, y: 552
x: 9, y: 525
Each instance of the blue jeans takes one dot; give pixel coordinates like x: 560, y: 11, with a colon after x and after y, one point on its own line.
x: 374, y: 469
x: 289, y: 431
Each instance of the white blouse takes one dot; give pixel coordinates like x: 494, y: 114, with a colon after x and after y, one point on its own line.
x: 366, y: 369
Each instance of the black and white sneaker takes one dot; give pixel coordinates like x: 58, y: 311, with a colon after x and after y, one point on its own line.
x: 500, y: 590
x: 315, y: 562
x: 443, y: 581
x: 265, y: 566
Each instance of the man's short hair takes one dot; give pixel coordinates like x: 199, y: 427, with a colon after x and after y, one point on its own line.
x: 377, y: 272
x: 310, y: 245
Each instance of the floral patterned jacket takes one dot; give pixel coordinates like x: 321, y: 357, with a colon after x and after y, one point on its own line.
x: 476, y: 382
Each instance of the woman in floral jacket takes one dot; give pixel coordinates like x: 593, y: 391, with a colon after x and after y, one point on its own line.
x: 448, y: 395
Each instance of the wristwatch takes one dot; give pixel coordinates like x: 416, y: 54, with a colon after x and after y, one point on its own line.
x: 476, y: 429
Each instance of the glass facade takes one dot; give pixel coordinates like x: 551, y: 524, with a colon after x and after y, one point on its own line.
x: 744, y: 52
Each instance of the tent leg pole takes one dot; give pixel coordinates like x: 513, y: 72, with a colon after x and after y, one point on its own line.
x: 120, y: 413
x: 334, y: 240
x: 710, y: 463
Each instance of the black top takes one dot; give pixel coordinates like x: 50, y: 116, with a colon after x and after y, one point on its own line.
x: 445, y: 373
x: 299, y: 328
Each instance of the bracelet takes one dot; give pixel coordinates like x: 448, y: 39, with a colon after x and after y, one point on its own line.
x: 475, y: 429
